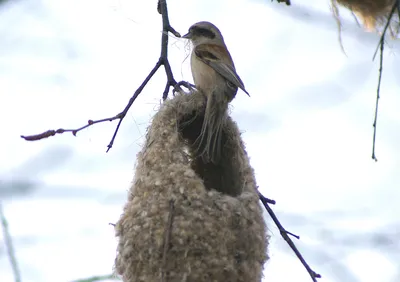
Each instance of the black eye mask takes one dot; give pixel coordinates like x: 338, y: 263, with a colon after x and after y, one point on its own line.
x: 198, y: 31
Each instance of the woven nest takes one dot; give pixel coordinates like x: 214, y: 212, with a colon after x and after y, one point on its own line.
x: 374, y: 14
x: 186, y: 220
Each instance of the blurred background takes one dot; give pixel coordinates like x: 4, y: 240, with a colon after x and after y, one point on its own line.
x: 307, y: 128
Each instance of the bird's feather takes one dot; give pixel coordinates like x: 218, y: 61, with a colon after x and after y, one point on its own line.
x: 219, y: 59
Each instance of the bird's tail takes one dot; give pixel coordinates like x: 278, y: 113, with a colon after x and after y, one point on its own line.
x: 209, y: 142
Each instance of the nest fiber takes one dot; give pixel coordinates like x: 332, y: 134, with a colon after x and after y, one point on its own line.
x: 183, y: 220
x: 373, y: 13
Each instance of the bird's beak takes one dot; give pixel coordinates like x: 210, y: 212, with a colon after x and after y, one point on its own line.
x: 187, y: 36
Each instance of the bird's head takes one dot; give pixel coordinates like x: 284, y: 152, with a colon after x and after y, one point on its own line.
x: 204, y: 32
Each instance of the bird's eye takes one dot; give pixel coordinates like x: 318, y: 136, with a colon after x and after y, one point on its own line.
x: 231, y: 85
x: 204, y: 32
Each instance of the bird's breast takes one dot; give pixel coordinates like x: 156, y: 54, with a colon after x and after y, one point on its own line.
x: 205, y: 78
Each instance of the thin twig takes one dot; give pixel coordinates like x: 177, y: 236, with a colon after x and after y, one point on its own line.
x: 98, y: 278
x: 167, y: 238
x: 162, y: 61
x: 381, y: 46
x: 9, y: 245
x: 49, y: 133
x: 377, y: 102
x: 284, y: 234
x: 382, y: 39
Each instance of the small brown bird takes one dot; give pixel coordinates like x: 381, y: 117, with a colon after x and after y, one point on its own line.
x: 215, y: 76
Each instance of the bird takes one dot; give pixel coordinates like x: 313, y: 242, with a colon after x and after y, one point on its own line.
x: 215, y: 76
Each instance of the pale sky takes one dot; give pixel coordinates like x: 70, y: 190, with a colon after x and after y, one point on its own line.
x: 307, y: 128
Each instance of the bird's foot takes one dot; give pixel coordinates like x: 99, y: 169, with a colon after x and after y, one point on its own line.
x: 189, y: 86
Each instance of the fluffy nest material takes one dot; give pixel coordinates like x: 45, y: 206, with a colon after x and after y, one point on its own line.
x: 373, y: 13
x: 186, y: 220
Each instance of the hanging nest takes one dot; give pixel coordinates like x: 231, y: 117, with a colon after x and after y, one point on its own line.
x: 186, y: 220
x: 374, y: 14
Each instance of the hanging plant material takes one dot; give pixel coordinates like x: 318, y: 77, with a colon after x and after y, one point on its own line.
x: 374, y: 14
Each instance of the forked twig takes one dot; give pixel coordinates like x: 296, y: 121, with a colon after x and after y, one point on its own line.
x: 162, y: 61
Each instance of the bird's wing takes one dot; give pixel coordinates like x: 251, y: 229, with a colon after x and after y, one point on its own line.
x: 214, y: 55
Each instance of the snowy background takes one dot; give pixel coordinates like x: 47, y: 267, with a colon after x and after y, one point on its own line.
x: 307, y: 128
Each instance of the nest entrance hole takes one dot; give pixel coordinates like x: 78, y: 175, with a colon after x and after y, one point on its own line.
x: 225, y: 176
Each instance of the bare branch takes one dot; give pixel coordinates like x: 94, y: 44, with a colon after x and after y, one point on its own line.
x: 9, y: 245
x: 285, y: 233
x: 49, y: 133
x: 162, y: 61
x: 381, y: 46
x: 377, y: 100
